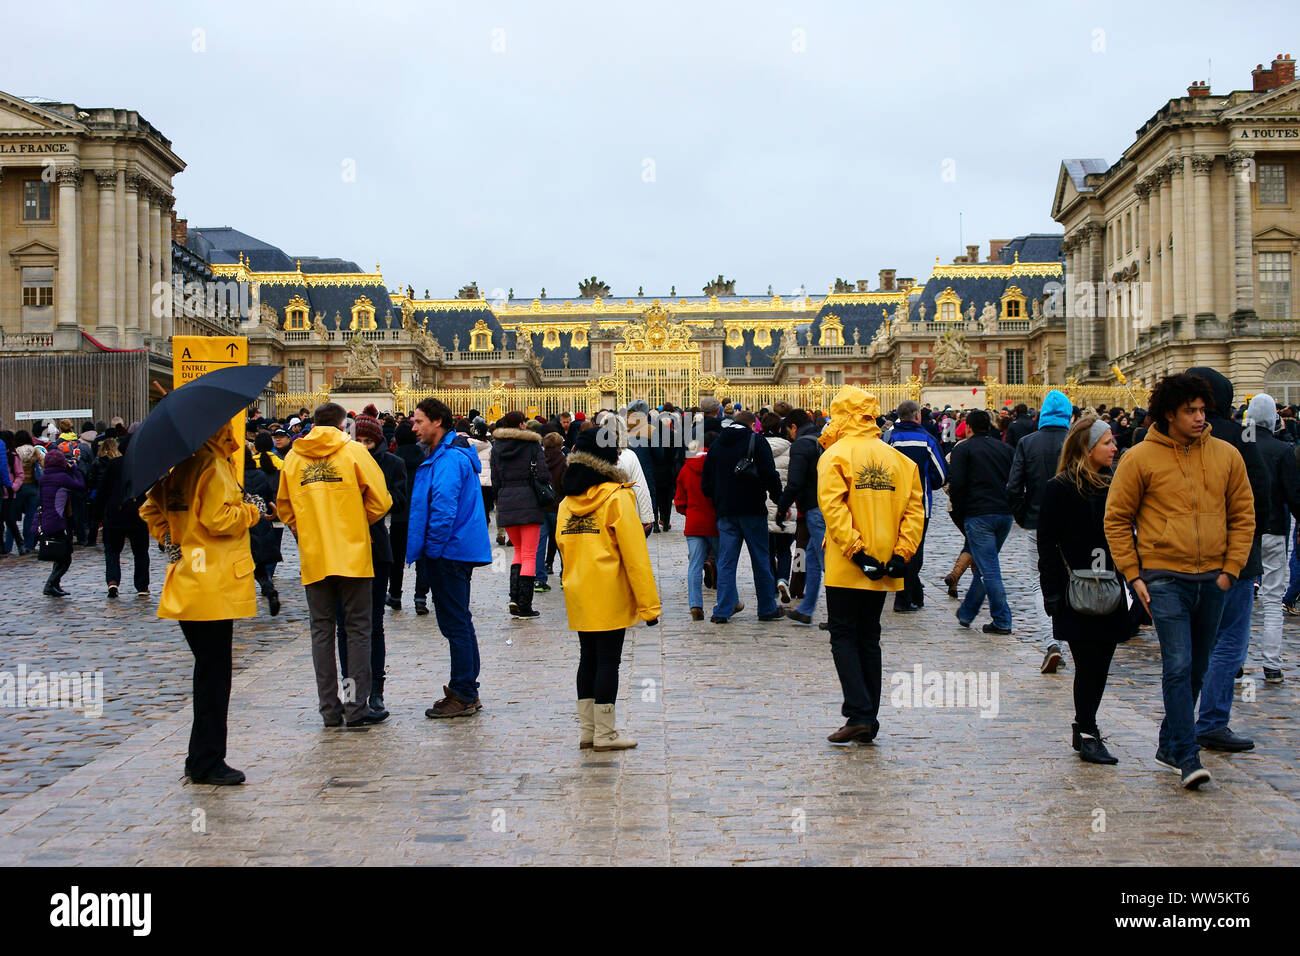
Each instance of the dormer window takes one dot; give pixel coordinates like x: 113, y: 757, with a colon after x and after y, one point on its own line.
x: 551, y: 339
x: 763, y: 338
x: 735, y: 338
x: 579, y: 338
x: 832, y: 330
x: 1013, y: 304
x: 363, y: 315
x: 295, y: 314
x: 480, y: 337
x: 947, y: 306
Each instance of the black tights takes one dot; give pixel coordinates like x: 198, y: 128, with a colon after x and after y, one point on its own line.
x: 598, y: 665
x: 1091, y: 668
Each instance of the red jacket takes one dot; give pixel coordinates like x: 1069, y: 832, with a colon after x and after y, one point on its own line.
x: 692, y: 502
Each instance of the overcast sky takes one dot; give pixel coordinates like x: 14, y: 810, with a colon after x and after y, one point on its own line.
x: 654, y: 144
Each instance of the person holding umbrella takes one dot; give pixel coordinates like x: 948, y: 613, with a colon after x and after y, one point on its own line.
x: 199, y: 516
x: 196, y: 510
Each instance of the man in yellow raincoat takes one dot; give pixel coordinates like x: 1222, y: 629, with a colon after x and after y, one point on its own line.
x: 331, y: 492
x: 872, y: 501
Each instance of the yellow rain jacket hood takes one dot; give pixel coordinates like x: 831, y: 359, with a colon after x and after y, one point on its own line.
x: 870, y: 495
x: 609, y: 582
x: 202, y: 506
x: 331, y: 492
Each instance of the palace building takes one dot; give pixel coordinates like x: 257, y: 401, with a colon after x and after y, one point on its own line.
x: 1182, y: 252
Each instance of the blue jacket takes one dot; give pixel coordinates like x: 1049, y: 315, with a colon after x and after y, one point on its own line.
x: 447, y: 518
x: 915, y: 441
x: 6, y: 479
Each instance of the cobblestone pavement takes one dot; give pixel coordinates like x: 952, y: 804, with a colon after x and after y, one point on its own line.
x: 732, y: 768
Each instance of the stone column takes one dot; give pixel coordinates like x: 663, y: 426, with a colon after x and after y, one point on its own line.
x: 165, y: 251
x: 66, y: 332
x: 155, y: 266
x: 1095, y: 269
x: 1241, y: 164
x: 1204, y: 252
x: 131, y: 337
x: 4, y: 265
x: 1151, y: 293
x: 144, y: 302
x: 1166, y: 255
x: 1073, y: 322
x: 106, y: 313
x: 1180, y: 232
x: 119, y: 241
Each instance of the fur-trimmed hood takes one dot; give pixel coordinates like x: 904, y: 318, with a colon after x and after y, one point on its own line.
x: 522, y: 434
x: 585, y: 471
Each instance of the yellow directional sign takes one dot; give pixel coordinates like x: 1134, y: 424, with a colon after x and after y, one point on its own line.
x: 195, y: 355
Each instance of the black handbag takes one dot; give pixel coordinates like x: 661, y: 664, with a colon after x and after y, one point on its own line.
x: 57, y: 548
x: 542, y: 490
x: 745, y: 468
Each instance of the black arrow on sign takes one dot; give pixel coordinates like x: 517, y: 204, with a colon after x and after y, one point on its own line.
x: 232, y: 348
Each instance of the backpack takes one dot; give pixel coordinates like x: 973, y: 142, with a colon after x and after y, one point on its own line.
x: 71, y: 450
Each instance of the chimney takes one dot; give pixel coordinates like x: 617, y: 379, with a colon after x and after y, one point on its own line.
x: 1263, y: 79
x: 1198, y: 88
x: 862, y: 285
x: 995, y: 248
x: 973, y: 253
x: 1283, y: 70
x: 180, y: 229
x: 887, y: 279
x: 905, y: 285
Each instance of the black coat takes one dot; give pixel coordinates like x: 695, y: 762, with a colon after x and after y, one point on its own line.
x: 1260, y: 486
x: 735, y: 495
x: 1021, y: 428
x: 1032, y: 467
x: 801, y: 478
x: 1279, y: 460
x: 1072, y: 522
x: 978, y: 470
x: 412, y: 456
x: 394, y: 469
x: 262, y: 539
x: 118, y: 512
x: 516, y: 454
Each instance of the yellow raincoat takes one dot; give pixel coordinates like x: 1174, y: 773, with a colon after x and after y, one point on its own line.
x: 609, y: 582
x: 869, y: 494
x: 331, y: 492
x: 202, y: 505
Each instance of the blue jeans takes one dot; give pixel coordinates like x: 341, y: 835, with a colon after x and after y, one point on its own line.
x: 985, y: 535
x: 24, y: 505
x: 544, y: 534
x: 1293, y: 586
x: 449, y: 586
x: 1186, y: 616
x: 698, y: 547
x: 1228, y: 655
x: 814, y: 561
x: 752, y: 530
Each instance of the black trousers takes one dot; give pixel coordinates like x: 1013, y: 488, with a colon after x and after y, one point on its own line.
x: 913, y: 593
x: 210, y: 641
x: 115, y: 538
x: 855, y: 644
x: 664, y: 495
x: 397, y: 538
x: 1092, y: 658
x: 598, y: 665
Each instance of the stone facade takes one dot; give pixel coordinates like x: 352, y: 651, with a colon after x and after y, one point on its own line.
x: 1182, y: 252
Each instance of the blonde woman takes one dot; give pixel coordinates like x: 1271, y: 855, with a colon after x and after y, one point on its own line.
x: 1071, y: 535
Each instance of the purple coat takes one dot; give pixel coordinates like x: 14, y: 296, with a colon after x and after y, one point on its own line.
x: 57, y: 485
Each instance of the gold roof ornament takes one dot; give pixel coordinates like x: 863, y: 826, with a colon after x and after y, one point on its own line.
x: 657, y: 332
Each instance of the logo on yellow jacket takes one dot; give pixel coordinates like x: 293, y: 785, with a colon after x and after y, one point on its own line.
x: 581, y: 524
x: 874, y: 477
x: 321, y: 470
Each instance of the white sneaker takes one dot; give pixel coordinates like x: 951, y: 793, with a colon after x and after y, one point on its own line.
x: 783, y: 589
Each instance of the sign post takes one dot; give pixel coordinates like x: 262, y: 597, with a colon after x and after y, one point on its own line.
x: 195, y: 355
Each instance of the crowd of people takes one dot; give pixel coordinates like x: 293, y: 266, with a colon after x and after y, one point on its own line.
x: 1176, y: 516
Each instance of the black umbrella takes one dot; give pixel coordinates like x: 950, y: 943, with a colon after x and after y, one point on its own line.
x: 186, y: 418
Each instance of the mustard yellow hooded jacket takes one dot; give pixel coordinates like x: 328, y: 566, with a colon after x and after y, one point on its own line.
x: 869, y: 494
x: 202, y: 505
x: 331, y: 492
x: 609, y: 582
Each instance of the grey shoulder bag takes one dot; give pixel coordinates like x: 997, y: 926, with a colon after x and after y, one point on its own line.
x: 1094, y: 593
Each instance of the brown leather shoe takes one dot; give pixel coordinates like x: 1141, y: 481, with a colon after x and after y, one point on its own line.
x: 453, y: 706
x: 697, y: 614
x: 853, y: 733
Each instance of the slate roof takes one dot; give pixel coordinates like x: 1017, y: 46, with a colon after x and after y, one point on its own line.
x: 1035, y: 247
x: 1079, y: 168
x: 865, y: 317
x: 222, y: 244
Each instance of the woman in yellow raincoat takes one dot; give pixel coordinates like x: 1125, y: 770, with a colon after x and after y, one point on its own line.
x: 199, y: 516
x: 609, y: 584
